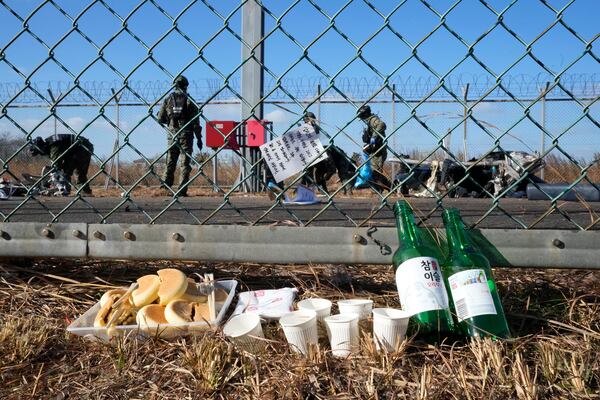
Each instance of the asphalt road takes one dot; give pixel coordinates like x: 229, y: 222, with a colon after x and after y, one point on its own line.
x: 255, y: 210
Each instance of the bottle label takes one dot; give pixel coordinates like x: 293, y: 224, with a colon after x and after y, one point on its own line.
x: 471, y: 294
x: 421, y: 286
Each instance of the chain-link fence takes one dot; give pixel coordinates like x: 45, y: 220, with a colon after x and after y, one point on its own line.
x: 483, y: 108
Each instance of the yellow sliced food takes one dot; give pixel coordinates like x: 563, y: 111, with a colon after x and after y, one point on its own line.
x: 194, y: 293
x: 201, y: 312
x: 114, y: 293
x: 103, y: 315
x: 147, y: 291
x: 151, y: 316
x: 181, y: 312
x: 173, y: 284
x: 121, y: 315
x: 151, y: 320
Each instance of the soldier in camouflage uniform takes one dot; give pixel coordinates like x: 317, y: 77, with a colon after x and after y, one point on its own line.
x: 180, y: 115
x: 373, y: 136
x: 68, y: 154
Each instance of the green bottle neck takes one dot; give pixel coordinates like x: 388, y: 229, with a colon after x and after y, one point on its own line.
x: 456, y: 234
x: 408, y: 233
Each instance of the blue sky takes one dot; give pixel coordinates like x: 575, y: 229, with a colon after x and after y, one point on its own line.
x: 305, y: 21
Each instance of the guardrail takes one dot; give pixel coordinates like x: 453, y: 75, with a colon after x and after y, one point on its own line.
x: 283, y: 245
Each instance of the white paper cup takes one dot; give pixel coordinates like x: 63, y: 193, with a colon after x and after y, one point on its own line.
x: 389, y: 327
x: 362, y: 307
x: 323, y: 309
x: 300, y: 329
x: 320, y: 306
x: 245, y: 331
x: 343, y: 333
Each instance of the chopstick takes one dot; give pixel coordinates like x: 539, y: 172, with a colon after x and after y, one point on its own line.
x: 210, y: 279
x: 126, y: 295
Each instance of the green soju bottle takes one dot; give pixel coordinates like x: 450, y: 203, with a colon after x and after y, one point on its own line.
x: 419, y: 279
x: 471, y: 288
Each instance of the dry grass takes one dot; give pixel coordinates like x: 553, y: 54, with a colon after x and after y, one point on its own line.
x: 554, y: 316
x: 559, y: 169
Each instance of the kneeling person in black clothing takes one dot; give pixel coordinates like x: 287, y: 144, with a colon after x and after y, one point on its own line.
x: 68, y: 154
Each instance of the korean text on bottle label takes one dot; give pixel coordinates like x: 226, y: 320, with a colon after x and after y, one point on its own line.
x: 420, y: 285
x: 471, y: 294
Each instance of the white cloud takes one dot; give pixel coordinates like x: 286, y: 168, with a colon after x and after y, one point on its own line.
x: 76, y: 123
x: 279, y: 117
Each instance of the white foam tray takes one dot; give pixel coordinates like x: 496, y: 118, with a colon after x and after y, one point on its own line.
x: 84, y: 325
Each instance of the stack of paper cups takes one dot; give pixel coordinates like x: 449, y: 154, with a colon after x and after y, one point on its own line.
x: 362, y: 307
x: 343, y: 333
x: 320, y: 306
x: 389, y: 327
x: 300, y: 328
x: 246, y: 332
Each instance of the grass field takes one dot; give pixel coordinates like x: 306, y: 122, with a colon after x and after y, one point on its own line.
x: 554, y: 317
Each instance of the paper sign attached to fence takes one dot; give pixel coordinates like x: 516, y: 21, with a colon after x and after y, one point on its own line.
x: 293, y: 151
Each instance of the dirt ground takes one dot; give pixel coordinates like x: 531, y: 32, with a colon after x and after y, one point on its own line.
x: 554, y: 317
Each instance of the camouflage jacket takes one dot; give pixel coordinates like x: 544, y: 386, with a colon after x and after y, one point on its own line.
x: 188, y: 122
x: 375, y: 130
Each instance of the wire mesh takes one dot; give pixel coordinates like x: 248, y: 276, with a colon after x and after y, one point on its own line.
x: 462, y: 87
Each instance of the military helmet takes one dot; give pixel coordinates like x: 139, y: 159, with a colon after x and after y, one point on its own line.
x: 363, y: 112
x: 309, y: 116
x: 181, y: 82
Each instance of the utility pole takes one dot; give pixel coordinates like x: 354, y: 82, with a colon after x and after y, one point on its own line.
x: 253, y: 28
x: 465, y: 109
x: 55, y: 119
x: 543, y: 133
x: 393, y: 129
x: 116, y: 144
x: 319, y: 103
x: 215, y: 172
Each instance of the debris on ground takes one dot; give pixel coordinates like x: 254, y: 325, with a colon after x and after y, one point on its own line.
x: 554, y: 316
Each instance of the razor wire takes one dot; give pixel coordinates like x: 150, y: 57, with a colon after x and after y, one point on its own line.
x: 411, y: 93
x: 409, y: 87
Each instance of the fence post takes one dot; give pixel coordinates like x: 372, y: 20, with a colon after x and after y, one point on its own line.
x: 318, y: 103
x: 116, y: 144
x: 215, y: 174
x: 253, y: 27
x: 118, y: 139
x: 54, y: 114
x: 465, y: 108
x: 393, y: 128
x: 544, y: 91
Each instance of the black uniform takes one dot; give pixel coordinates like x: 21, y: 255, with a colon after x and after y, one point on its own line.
x: 68, y: 154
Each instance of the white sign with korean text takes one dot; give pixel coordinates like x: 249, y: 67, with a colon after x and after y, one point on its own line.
x: 290, y: 153
x: 421, y: 285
